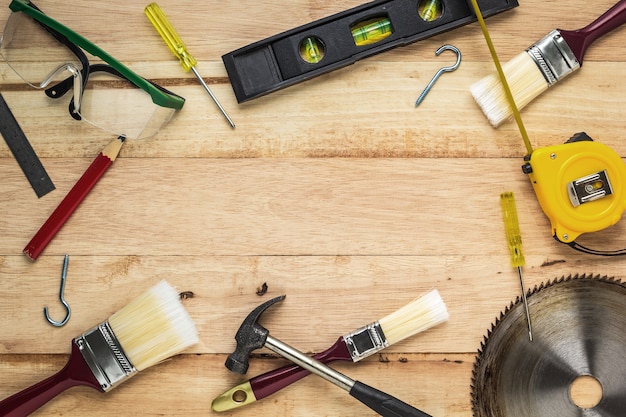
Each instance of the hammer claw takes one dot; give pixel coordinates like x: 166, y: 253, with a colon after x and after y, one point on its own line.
x: 250, y: 336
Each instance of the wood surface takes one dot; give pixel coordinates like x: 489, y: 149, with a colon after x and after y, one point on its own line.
x: 336, y: 192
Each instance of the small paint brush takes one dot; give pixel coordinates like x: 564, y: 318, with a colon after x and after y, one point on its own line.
x: 150, y: 329
x: 421, y: 314
x: 542, y: 65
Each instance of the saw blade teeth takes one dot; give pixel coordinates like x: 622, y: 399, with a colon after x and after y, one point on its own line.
x: 505, y: 311
x: 533, y: 290
x: 485, y: 370
x: 483, y: 343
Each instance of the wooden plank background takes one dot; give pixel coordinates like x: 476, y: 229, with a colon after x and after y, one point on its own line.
x: 336, y: 192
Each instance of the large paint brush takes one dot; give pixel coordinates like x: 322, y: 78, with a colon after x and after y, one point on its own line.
x: 542, y: 65
x: 150, y: 329
x: 421, y: 314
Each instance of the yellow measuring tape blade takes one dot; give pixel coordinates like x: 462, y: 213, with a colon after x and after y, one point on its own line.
x: 505, y: 84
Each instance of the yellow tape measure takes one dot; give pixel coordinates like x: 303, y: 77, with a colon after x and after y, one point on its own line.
x: 580, y: 186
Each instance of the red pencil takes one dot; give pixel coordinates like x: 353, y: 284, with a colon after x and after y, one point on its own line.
x: 71, y: 201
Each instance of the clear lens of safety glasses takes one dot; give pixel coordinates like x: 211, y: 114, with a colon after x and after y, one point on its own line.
x: 34, y: 54
x: 118, y: 106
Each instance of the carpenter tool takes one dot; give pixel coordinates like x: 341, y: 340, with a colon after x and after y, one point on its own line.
x: 581, y: 187
x: 151, y: 328
x: 74, y: 197
x: 177, y: 46
x: 251, y: 335
x: 579, y: 324
x: 336, y: 41
x: 68, y: 310
x: 441, y: 70
x: 23, y: 151
x: 421, y: 314
x: 514, y: 240
x: 557, y: 55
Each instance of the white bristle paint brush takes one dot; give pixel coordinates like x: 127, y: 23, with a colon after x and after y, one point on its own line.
x: 151, y: 328
x: 419, y: 315
x: 542, y: 65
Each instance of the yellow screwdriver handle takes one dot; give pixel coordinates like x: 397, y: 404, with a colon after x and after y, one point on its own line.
x: 511, y: 225
x: 169, y: 35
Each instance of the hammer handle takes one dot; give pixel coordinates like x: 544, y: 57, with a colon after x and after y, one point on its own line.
x: 378, y: 401
x: 383, y: 403
x: 273, y: 381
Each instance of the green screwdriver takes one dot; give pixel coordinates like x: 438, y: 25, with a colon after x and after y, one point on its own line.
x: 178, y: 48
x: 514, y: 240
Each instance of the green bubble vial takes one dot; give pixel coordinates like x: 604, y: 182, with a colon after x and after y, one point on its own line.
x: 371, y: 31
x: 430, y: 10
x: 312, y: 50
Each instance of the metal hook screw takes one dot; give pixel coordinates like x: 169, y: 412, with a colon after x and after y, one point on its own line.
x: 441, y: 71
x: 68, y: 310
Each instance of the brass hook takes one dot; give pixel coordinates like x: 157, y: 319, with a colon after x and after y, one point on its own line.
x: 441, y: 71
x: 68, y: 310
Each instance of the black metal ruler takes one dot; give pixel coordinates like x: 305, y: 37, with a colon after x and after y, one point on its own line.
x: 23, y: 151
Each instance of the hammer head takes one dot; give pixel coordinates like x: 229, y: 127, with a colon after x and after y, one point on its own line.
x: 250, y: 336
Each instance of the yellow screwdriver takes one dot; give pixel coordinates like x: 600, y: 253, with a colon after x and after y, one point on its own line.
x: 178, y: 48
x: 514, y: 239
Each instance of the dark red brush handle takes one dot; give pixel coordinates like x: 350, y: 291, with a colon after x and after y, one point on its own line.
x: 579, y: 40
x: 272, y: 381
x: 76, y: 372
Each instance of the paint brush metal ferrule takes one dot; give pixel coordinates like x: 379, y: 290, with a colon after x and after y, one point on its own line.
x: 105, y: 357
x: 366, y: 341
x: 554, y: 57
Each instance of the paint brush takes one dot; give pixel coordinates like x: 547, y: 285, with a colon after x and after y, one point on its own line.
x: 542, y: 65
x: 74, y: 197
x: 421, y: 314
x: 151, y: 328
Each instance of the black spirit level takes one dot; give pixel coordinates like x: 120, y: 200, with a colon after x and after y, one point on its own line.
x: 339, y: 40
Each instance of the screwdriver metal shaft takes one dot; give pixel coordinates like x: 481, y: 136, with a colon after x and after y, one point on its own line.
x: 521, y: 281
x: 178, y: 48
x: 514, y: 240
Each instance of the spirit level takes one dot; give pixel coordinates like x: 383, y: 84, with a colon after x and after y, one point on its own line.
x: 339, y: 40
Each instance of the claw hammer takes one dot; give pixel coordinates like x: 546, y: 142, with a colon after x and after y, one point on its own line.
x: 251, y: 336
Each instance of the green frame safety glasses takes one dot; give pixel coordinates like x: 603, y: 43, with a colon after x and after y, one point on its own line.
x: 159, y: 97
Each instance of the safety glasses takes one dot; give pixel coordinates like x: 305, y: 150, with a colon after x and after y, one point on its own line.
x: 47, y: 55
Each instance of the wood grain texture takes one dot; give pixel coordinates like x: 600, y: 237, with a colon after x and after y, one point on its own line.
x: 336, y: 192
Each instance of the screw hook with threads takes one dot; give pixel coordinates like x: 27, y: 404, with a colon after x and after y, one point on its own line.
x: 68, y: 310
x: 441, y: 70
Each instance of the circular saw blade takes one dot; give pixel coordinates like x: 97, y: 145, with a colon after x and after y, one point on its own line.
x: 579, y: 329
